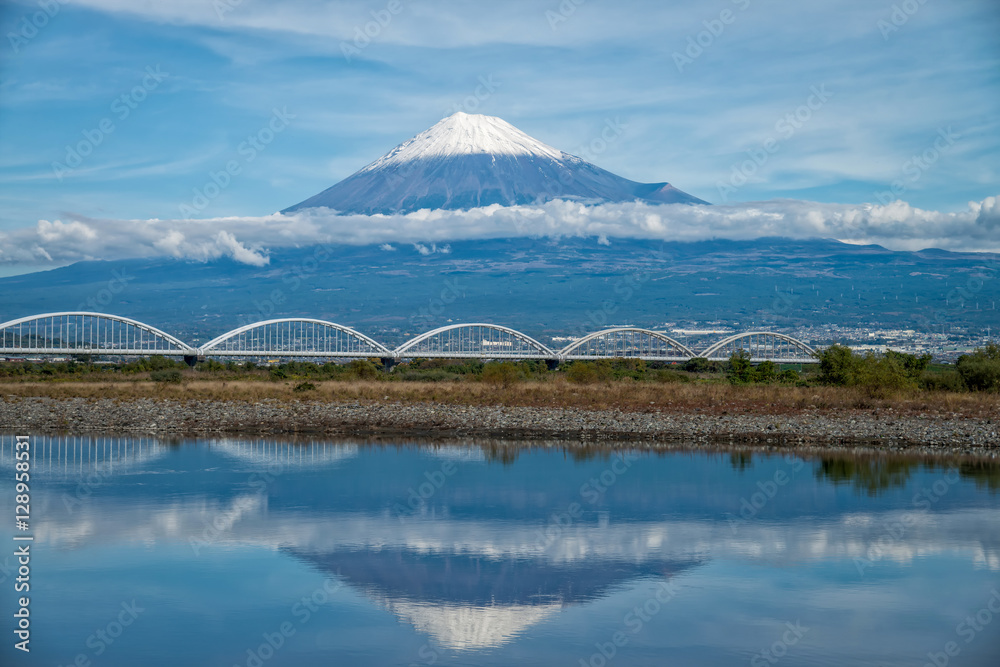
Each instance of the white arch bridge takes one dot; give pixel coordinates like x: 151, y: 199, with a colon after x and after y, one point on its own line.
x: 73, y: 333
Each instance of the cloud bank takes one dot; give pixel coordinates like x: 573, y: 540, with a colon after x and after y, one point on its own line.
x: 897, y: 226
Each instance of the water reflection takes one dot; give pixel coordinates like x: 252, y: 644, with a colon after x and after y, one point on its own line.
x: 493, y: 552
x: 874, y: 475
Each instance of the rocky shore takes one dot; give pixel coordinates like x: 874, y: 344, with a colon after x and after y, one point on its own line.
x: 845, y: 430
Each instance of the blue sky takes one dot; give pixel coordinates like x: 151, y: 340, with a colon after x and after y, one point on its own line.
x: 559, y: 71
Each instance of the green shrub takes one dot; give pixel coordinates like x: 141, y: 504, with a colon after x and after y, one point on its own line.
x: 880, y: 373
x: 303, y: 387
x: 666, y: 375
x: 838, y: 365
x: 160, y: 363
x: 791, y: 377
x: 589, y: 372
x: 981, y: 370
x: 911, y: 364
x: 436, y: 375
x: 628, y: 367
x: 766, y: 372
x: 212, y: 366
x: 171, y: 376
x: 701, y: 365
x: 501, y: 374
x: 362, y: 369
x: 946, y: 381
x: 739, y: 370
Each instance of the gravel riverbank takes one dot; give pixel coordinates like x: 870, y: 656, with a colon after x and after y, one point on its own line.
x: 924, y: 435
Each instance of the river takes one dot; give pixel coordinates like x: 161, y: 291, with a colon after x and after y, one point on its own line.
x: 257, y: 552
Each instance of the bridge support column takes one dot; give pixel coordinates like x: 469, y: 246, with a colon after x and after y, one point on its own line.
x: 192, y: 359
x: 553, y: 364
x: 388, y: 363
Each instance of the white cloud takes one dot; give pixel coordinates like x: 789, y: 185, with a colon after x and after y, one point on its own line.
x: 897, y: 226
x: 75, y: 230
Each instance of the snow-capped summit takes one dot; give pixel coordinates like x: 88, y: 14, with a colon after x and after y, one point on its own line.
x: 467, y: 134
x: 468, y: 161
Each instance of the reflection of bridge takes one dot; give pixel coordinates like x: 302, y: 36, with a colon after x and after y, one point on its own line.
x: 98, y: 457
x: 95, y: 333
x: 90, y: 457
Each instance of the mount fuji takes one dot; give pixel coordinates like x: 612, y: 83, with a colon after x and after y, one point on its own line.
x: 470, y: 161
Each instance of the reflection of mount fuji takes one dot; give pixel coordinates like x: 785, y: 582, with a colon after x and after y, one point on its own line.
x: 473, y: 602
x: 471, y: 569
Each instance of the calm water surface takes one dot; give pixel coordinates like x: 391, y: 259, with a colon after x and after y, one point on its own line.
x: 260, y: 553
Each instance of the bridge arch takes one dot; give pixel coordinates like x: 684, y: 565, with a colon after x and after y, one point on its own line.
x: 762, y: 346
x: 475, y: 341
x: 627, y: 342
x: 298, y: 337
x: 79, y: 332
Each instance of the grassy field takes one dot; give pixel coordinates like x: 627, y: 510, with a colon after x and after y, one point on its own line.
x: 705, y: 395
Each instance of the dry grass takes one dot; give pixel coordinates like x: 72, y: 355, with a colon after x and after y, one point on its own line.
x: 624, y: 395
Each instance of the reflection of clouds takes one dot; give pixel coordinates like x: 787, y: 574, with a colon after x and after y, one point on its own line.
x: 970, y: 533
x: 987, y: 560
x: 458, y: 454
x: 412, y: 569
x: 177, y: 522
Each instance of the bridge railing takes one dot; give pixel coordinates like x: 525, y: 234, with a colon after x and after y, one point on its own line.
x: 110, y: 335
x: 86, y: 333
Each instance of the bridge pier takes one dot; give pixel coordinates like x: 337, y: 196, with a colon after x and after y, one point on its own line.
x: 192, y: 359
x: 389, y: 363
x: 553, y: 364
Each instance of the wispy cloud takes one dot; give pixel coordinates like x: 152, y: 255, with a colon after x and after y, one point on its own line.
x: 249, y: 240
x: 232, y: 61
